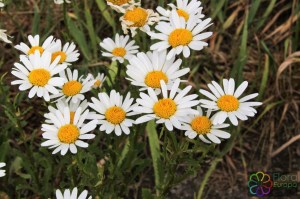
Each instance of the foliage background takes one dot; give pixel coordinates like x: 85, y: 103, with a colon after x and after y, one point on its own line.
x: 254, y: 40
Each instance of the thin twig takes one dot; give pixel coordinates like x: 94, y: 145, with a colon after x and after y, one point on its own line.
x: 293, y: 139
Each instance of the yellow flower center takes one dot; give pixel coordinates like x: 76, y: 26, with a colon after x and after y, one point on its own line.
x: 62, y: 55
x: 118, y: 2
x: 68, y: 133
x: 138, y: 16
x: 115, y: 115
x: 228, y: 103
x: 97, y: 83
x: 165, y: 108
x: 201, y: 125
x: 72, y: 114
x: 72, y: 88
x: 153, y: 78
x: 119, y: 52
x: 39, y: 77
x: 180, y: 37
x: 34, y: 48
x: 183, y: 14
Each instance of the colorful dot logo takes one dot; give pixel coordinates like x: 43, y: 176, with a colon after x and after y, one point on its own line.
x: 260, y: 184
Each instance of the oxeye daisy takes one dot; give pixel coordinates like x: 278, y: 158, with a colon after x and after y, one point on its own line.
x: 63, y: 134
x: 37, y: 73
x: 4, y: 36
x: 119, y: 49
x: 183, y: 8
x: 147, y: 70
x: 35, y: 45
x: 180, y: 36
x: 99, y: 80
x: 2, y: 171
x: 112, y: 112
x: 201, y: 125
x: 122, y: 5
x: 67, y: 53
x: 72, y: 195
x: 226, y: 101
x: 169, y: 109
x: 138, y: 18
x: 73, y: 89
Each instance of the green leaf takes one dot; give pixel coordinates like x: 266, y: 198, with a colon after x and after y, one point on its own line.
x: 105, y: 13
x: 264, y: 78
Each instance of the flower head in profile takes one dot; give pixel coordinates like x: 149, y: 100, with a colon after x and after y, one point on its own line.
x: 67, y: 53
x: 201, y: 125
x: 227, y: 102
x: 120, y: 49
x: 180, y: 35
x: 121, y: 5
x: 136, y: 17
x: 168, y: 109
x: 35, y: 45
x: 37, y: 74
x: 63, y: 134
x: 113, y: 112
x: 2, y: 171
x: 147, y: 70
x: 67, y: 194
x: 4, y: 36
x: 99, y: 80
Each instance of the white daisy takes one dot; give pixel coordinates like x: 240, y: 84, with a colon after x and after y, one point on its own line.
x: 72, y: 195
x: 73, y: 89
x: 1, y: 4
x: 2, y: 171
x: 113, y: 112
x: 180, y: 35
x: 170, y: 109
x: 4, y: 36
x: 119, y: 49
x: 35, y: 45
x: 146, y: 70
x: 138, y: 18
x: 121, y: 5
x: 63, y: 135
x: 226, y: 101
x: 98, y: 80
x: 201, y: 125
x: 184, y: 8
x: 67, y: 53
x: 37, y: 73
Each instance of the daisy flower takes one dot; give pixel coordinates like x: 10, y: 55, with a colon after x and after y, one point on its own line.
x: 180, y: 35
x: 119, y: 49
x: 184, y: 9
x: 121, y: 5
x: 202, y: 126
x: 35, y: 45
x: 147, y: 70
x: 36, y: 73
x: 138, y: 18
x: 1, y: 4
x: 170, y: 109
x: 63, y: 134
x: 2, y: 172
x: 67, y: 53
x: 226, y: 101
x: 72, y: 195
x: 112, y: 112
x: 73, y: 89
x: 4, y: 36
x: 98, y: 80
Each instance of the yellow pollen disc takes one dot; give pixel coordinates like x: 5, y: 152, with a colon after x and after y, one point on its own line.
x: 201, y: 125
x: 138, y: 16
x: 115, y: 115
x: 183, y: 14
x: 180, y: 37
x: 153, y: 78
x: 72, y: 88
x: 228, y: 103
x: 62, y: 55
x: 165, y: 108
x: 97, y: 83
x: 72, y: 114
x: 119, y: 52
x: 34, y: 48
x: 39, y: 77
x: 68, y: 133
x: 118, y: 2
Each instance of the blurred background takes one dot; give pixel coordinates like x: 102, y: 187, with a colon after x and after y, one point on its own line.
x: 254, y: 40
